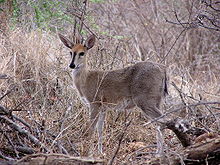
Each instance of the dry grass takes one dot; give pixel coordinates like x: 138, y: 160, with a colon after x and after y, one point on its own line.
x: 43, y: 95
x: 36, y: 64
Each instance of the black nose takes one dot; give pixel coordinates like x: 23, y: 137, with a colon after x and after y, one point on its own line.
x: 72, y: 66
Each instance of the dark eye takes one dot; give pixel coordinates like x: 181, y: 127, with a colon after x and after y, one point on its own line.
x: 81, y: 54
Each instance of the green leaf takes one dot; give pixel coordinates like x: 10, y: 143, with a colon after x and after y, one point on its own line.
x: 104, y: 33
x: 118, y: 37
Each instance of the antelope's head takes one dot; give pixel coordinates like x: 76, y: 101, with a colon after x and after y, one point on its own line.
x: 78, y: 50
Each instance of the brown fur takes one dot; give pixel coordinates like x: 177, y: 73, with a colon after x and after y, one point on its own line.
x: 142, y: 85
x: 113, y: 87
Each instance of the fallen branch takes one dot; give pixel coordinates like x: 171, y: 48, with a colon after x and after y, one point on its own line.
x: 4, y: 111
x: 207, y: 152
x: 180, y: 133
x: 24, y: 150
x: 6, y: 157
x: 24, y: 132
x: 48, y: 159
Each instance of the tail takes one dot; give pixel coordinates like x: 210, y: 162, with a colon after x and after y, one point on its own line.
x: 165, y: 89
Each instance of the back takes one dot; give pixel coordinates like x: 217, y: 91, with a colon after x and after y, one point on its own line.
x: 148, y: 78
x: 116, y: 85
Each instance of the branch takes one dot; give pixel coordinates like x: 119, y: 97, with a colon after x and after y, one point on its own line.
x: 4, y: 111
x: 211, y: 19
x: 174, y: 43
x: 7, y: 93
x: 6, y: 158
x: 3, y: 76
x: 120, y: 140
x: 181, y: 134
x: 178, y: 109
x: 24, y: 132
x: 61, y: 158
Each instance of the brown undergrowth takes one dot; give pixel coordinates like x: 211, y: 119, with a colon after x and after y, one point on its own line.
x: 37, y: 87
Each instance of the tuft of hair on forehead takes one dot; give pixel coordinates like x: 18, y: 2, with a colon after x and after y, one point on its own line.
x: 79, y: 48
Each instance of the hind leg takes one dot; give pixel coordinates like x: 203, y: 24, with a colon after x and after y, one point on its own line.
x: 160, y: 141
x: 150, y: 108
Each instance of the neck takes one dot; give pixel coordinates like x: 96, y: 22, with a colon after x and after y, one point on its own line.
x: 79, y: 71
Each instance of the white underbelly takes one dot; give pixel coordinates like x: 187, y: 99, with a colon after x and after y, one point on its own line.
x: 120, y: 106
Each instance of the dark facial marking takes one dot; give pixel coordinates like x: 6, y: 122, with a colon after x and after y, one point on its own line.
x: 72, y: 65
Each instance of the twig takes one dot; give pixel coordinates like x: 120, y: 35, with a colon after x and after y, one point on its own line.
x: 191, y: 110
x: 82, y: 15
x: 60, y: 134
x: 23, y: 122
x: 181, y: 96
x: 179, y: 156
x: 84, y: 24
x: 177, y: 18
x: 181, y: 135
x: 178, y: 109
x: 13, y: 146
x: 3, y: 76
x: 7, y: 93
x: 6, y: 112
x: 73, y: 147
x: 25, y: 150
x: 21, y: 149
x: 63, y: 157
x: 6, y: 158
x: 198, y: 21
x: 24, y: 132
x: 119, y: 143
x: 114, y: 56
x: 174, y: 43
x: 210, y: 5
x: 138, y: 152
x: 61, y: 124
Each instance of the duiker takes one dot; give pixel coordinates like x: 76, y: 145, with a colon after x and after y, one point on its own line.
x: 143, y: 85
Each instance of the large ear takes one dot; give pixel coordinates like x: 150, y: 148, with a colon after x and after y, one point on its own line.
x: 90, y: 42
x: 66, y: 42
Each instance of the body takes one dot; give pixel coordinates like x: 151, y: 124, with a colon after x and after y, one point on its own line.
x: 123, y: 86
x: 143, y: 85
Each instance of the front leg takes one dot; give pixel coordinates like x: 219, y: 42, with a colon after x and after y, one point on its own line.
x: 100, y: 125
x: 97, y: 118
x: 94, y: 116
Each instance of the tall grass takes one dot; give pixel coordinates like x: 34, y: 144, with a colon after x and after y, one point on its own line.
x: 36, y: 65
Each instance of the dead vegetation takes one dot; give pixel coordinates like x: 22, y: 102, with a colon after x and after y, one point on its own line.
x: 43, y: 120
